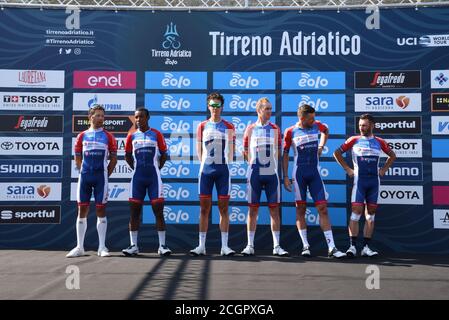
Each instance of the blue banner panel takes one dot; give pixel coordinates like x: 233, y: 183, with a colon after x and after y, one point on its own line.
x: 245, y: 80
x: 175, y: 80
x: 313, y: 80
x: 337, y: 216
x: 320, y: 102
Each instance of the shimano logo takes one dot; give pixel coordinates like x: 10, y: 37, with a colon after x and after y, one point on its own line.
x: 176, y: 217
x: 247, y: 83
x: 29, y: 168
x: 170, y: 125
x: 403, y: 171
x: 170, y: 81
x: 316, y: 83
x: 170, y: 103
x: 237, y: 103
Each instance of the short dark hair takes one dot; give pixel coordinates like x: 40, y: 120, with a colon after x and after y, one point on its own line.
x: 305, y: 109
x: 144, y: 110
x: 95, y: 108
x: 367, y: 116
x: 215, y: 96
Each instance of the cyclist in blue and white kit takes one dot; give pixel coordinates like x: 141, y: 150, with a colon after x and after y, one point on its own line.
x: 145, y: 153
x: 366, y: 150
x: 93, y: 148
x: 215, y: 147
x: 262, y: 147
x: 307, y: 146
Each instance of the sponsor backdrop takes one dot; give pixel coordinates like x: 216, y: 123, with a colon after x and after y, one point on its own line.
x: 50, y: 76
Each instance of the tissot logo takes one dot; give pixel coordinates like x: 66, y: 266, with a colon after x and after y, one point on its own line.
x: 30, y: 214
x: 405, y: 148
x: 394, y: 125
x: 31, y: 123
x: 387, y: 79
x: 22, y: 101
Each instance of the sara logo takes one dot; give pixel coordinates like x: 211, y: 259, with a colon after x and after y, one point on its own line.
x: 238, y: 170
x: 171, y: 40
x: 317, y: 105
x: 169, y: 124
x: 174, y: 171
x: 237, y: 193
x: 174, y: 104
x: 401, y: 101
x: 306, y: 81
x: 171, y: 81
x: 239, y: 125
x: 237, y: 103
x: 17, y: 191
x: 175, y: 217
x: 238, y: 81
x: 237, y: 215
x: 177, y: 193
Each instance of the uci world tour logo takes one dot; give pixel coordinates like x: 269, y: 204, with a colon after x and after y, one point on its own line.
x: 171, y: 46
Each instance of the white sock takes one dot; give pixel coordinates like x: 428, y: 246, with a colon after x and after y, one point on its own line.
x: 161, y: 235
x: 276, y: 236
x: 133, y: 237
x: 224, y: 239
x: 202, y: 239
x: 329, y: 239
x: 102, y: 226
x: 81, y: 227
x: 251, y: 238
x: 303, y: 235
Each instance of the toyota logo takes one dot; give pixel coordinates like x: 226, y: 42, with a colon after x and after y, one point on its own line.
x: 7, y: 145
